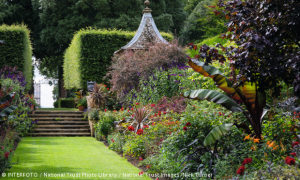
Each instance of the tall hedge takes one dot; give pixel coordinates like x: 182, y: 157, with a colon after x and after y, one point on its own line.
x: 90, y: 52
x: 17, y: 50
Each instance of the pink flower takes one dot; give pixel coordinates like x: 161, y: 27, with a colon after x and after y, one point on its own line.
x: 185, y: 128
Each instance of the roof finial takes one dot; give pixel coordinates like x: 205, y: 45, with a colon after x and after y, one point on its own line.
x: 147, y: 10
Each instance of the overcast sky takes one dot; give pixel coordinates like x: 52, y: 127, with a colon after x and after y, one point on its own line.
x: 46, y: 90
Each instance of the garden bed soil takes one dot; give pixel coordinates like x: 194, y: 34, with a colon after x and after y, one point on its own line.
x: 135, y: 162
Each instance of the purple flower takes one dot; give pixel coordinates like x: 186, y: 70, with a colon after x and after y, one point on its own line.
x: 180, y: 75
x: 177, y: 81
x: 138, y: 73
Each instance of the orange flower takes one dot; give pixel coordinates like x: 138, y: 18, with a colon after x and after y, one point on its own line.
x: 247, y: 137
x: 256, y: 140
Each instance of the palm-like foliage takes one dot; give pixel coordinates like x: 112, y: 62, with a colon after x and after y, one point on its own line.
x: 140, y: 116
x: 98, y: 96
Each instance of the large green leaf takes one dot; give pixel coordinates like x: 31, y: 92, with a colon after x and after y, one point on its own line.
x: 254, y: 100
x: 216, y: 133
x: 8, y: 110
x: 214, y: 96
x: 220, y: 80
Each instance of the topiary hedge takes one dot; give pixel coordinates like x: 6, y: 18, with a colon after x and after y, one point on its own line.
x: 89, y: 55
x: 17, y: 50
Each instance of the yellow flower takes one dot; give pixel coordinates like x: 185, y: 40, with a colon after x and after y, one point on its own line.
x: 247, y: 137
x: 256, y: 140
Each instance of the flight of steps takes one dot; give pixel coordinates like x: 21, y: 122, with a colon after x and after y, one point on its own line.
x: 71, y: 123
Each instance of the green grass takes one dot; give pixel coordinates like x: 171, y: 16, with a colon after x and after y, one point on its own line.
x: 57, y: 109
x: 73, y: 155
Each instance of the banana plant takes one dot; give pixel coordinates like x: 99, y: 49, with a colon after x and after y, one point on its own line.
x: 5, y: 109
x: 247, y: 92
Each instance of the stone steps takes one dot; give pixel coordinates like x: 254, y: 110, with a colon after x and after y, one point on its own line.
x: 70, y: 123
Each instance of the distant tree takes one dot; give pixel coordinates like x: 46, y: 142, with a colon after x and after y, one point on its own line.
x: 190, y: 5
x: 202, y: 23
x: 268, y: 36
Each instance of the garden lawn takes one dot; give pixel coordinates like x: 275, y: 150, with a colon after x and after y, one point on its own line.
x: 73, y: 155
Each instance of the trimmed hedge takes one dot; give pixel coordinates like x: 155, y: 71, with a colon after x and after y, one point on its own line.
x: 17, y: 50
x: 67, y: 103
x: 89, y: 55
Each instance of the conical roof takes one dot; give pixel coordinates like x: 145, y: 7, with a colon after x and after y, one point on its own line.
x: 146, y: 34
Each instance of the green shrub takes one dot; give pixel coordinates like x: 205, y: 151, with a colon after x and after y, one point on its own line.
x: 67, y: 103
x: 17, y: 50
x: 55, y: 104
x: 90, y: 54
x: 105, y: 124
x: 82, y: 102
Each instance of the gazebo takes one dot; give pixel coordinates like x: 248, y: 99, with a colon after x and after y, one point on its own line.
x: 146, y: 34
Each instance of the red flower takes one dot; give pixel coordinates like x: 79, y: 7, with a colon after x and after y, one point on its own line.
x: 161, y: 140
x: 123, y: 118
x: 295, y: 143
x: 132, y: 115
x: 155, y: 115
x: 289, y: 160
x: 105, y: 85
x: 293, y: 154
x: 184, y: 128
x: 10, y: 150
x: 112, y: 140
x: 137, y: 103
x: 131, y: 109
x: 247, y: 160
x: 145, y: 126
x: 148, y: 166
x: 188, y: 124
x: 140, y: 132
x: 141, y: 158
x: 6, y: 155
x: 220, y: 113
x: 152, y: 105
x: 107, y: 88
x: 114, y: 110
x: 170, y: 132
x: 165, y: 112
x: 2, y: 148
x: 105, y: 110
x: 122, y: 109
x: 294, y: 111
x: 241, y: 170
x: 130, y: 128
x: 140, y: 173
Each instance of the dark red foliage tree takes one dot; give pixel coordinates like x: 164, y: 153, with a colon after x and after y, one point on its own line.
x: 268, y: 36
